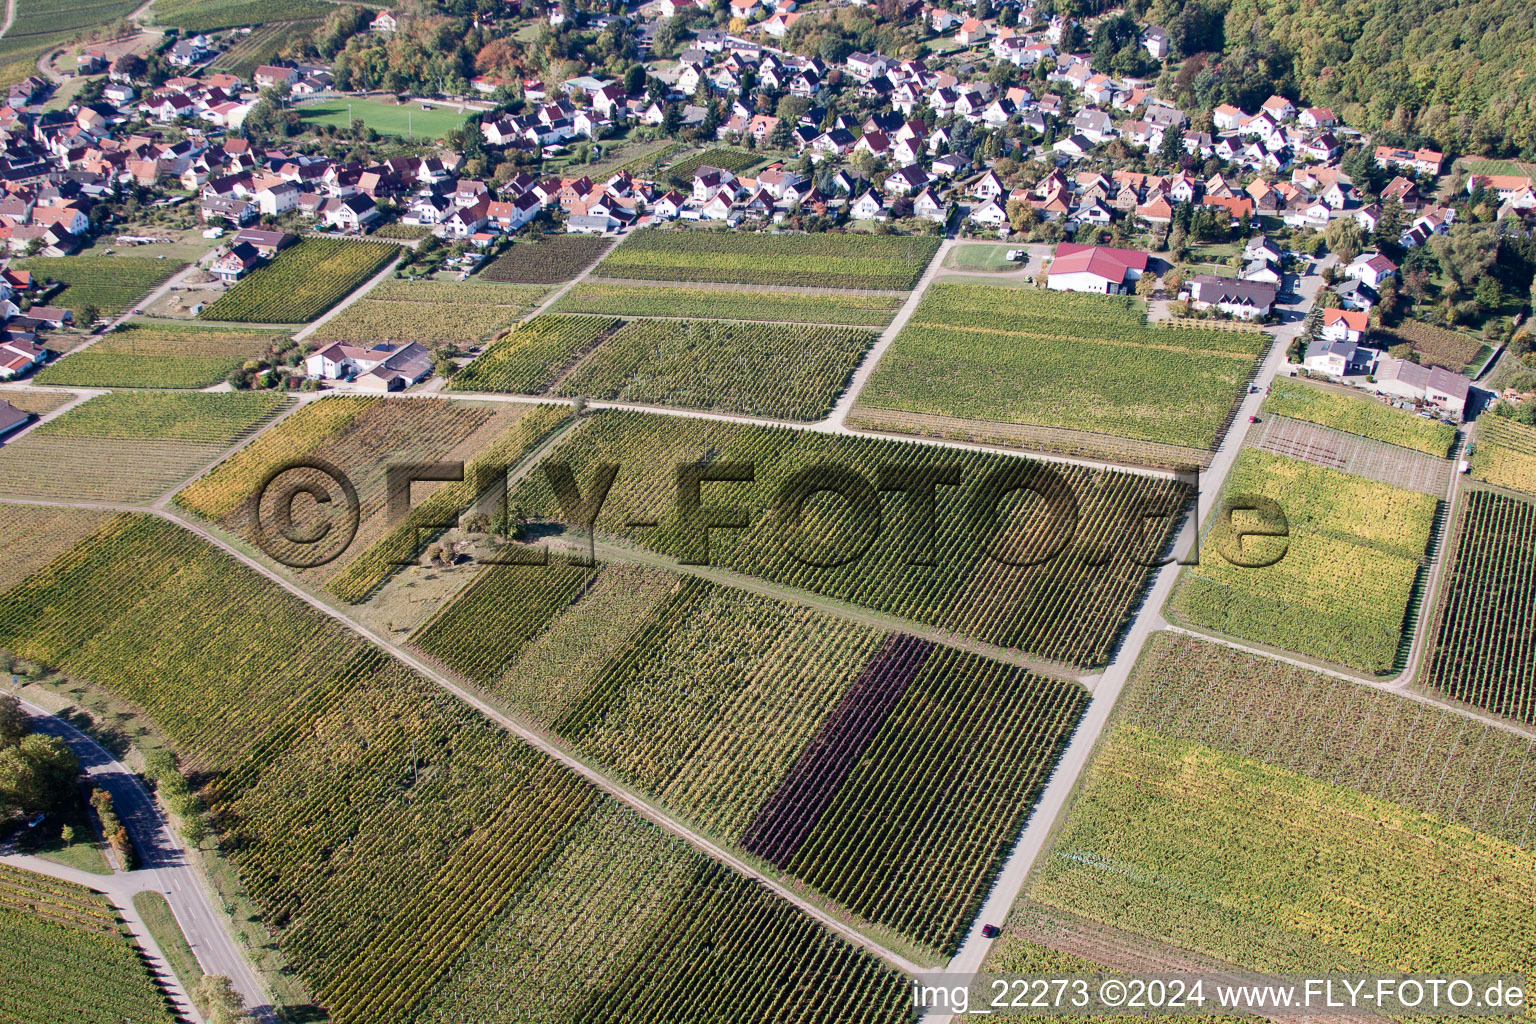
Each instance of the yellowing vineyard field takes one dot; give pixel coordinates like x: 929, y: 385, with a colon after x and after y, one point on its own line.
x: 1357, y: 414
x: 976, y: 583
x: 330, y: 769
x: 65, y: 954
x: 1505, y: 455
x: 129, y: 447
x: 1341, y: 589
x: 1266, y: 844
x: 870, y: 732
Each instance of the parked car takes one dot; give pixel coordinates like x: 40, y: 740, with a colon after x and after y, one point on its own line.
x: 989, y: 931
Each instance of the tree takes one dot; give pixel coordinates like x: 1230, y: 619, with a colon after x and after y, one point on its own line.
x: 634, y: 79
x: 14, y: 723
x: 1146, y: 286
x: 37, y: 774
x: 1488, y: 291
x: 225, y: 1006
x: 1018, y: 214
x: 1345, y: 237
x: 1171, y: 149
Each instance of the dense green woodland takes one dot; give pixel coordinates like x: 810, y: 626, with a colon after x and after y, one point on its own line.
x: 1455, y: 74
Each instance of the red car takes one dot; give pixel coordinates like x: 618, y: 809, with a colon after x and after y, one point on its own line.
x: 989, y: 931
x: 1253, y: 419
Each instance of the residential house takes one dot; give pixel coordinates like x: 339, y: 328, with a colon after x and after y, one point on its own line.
x: 1344, y: 325
x: 1371, y: 268
x: 384, y: 367
x: 1247, y: 300
x: 1338, y: 358
x: 235, y: 262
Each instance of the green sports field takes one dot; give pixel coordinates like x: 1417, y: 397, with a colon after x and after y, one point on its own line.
x: 386, y: 118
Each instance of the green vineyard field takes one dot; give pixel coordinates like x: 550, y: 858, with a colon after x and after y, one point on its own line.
x: 892, y: 262
x: 302, y: 281
x: 1062, y: 360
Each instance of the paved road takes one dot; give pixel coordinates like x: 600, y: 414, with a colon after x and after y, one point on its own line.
x: 163, y: 865
x: 1055, y: 798
x: 834, y: 422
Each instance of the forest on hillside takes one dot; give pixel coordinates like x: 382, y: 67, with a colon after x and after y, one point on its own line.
x: 1456, y: 74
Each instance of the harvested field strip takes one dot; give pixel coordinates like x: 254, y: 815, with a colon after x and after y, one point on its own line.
x: 792, y: 811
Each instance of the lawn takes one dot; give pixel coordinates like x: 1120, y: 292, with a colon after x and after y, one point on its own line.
x: 1048, y: 368
x: 402, y: 119
x: 982, y: 256
x: 1340, y: 588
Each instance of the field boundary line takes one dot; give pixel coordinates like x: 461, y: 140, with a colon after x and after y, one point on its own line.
x: 613, y: 789
x: 352, y: 296
x: 836, y: 419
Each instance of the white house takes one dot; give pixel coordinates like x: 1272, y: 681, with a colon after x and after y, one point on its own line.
x: 1345, y: 325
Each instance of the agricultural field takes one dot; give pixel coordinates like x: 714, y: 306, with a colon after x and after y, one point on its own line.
x: 363, y: 436
x: 1356, y: 414
x: 730, y: 304
x: 129, y: 447
x: 547, y: 259
x: 1505, y: 455
x: 882, y: 262
x: 263, y: 45
x: 1346, y: 567
x: 62, y: 945
x: 858, y: 716
x: 1483, y: 652
x: 1433, y: 760
x: 31, y: 536
x: 1058, y: 364
x: 405, y: 120
x: 291, y: 720
x: 110, y: 283
x: 747, y: 368
x: 431, y: 312
x: 1436, y: 346
x: 1002, y: 584
x: 302, y: 281
x: 150, y: 355
x: 208, y: 15
x: 681, y: 173
x: 39, y: 400
x: 42, y: 24
x: 532, y: 357
x: 1201, y: 823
